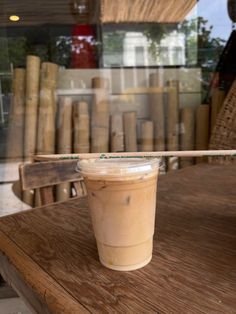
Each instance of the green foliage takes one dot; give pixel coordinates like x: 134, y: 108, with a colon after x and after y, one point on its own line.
x: 189, y: 29
x: 155, y: 33
x: 60, y: 50
x: 209, y: 47
x: 13, y: 50
x: 209, y: 51
x: 113, y: 42
x: 42, y: 51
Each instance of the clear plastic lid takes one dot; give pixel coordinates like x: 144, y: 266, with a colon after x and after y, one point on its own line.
x: 117, y: 166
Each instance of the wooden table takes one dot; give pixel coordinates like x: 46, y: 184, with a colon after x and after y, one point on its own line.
x: 49, y: 254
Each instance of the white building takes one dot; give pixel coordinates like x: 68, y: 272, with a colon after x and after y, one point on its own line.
x: 170, y: 52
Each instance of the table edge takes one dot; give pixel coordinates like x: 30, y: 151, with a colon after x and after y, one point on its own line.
x: 28, y: 278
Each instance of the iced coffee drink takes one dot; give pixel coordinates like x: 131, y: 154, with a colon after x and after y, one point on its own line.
x: 122, y: 202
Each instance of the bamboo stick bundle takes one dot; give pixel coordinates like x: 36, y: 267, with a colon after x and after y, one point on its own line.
x: 64, y: 141
x: 130, y: 131
x: 173, y: 122
x: 217, y: 100
x: 117, y: 133
x: 47, y: 109
x: 31, y: 113
x: 147, y: 129
x: 81, y: 127
x: 157, y: 113
x: 202, y: 129
x: 187, y: 134
x: 15, y: 143
x: 100, y: 116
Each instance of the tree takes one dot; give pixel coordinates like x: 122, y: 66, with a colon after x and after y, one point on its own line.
x: 202, y: 47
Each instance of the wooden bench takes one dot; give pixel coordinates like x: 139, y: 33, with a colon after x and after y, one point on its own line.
x: 46, y: 175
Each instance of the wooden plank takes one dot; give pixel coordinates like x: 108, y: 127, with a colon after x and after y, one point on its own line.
x: 46, y: 195
x: 33, y: 175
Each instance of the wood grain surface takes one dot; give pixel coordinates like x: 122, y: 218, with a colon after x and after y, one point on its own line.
x: 53, y: 252
x: 37, y: 175
x: 49, y: 175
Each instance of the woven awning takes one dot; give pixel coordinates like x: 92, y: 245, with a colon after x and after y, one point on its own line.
x: 158, y: 11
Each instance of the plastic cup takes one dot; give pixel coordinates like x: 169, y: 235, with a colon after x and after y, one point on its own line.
x: 122, y: 202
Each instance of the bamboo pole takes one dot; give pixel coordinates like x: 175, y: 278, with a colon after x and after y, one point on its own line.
x: 99, y: 134
x: 147, y: 129
x: 31, y: 106
x: 100, y: 116
x: 81, y: 127
x: 173, y: 122
x: 130, y: 131
x: 15, y: 144
x: 64, y: 133
x: 217, y: 100
x: 202, y: 129
x: 157, y: 113
x: 117, y: 133
x: 47, y: 113
x: 31, y: 113
x: 100, y: 82
x: 47, y: 109
x: 64, y: 141
x: 187, y: 134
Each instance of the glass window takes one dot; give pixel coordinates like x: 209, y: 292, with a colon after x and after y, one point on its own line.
x: 71, y: 73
